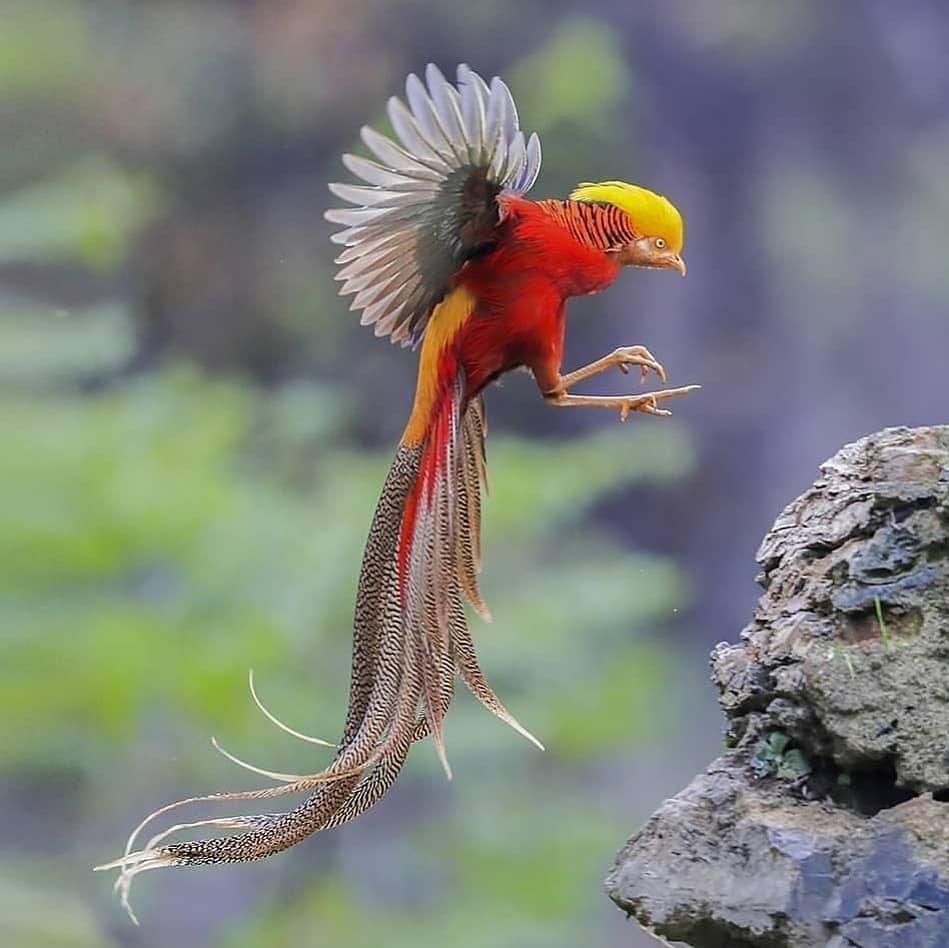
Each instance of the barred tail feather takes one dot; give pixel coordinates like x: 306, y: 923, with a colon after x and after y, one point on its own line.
x: 384, y: 696
x: 410, y: 642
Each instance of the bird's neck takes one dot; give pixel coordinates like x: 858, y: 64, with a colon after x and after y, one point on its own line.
x: 602, y: 227
x: 561, y: 241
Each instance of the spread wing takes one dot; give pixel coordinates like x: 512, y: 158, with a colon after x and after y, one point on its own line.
x: 430, y: 201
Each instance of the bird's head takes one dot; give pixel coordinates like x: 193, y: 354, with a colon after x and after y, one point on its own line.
x: 654, y: 220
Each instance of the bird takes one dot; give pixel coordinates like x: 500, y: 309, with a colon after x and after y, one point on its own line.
x: 442, y: 252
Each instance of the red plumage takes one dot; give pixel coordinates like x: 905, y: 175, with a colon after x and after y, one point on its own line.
x: 521, y: 288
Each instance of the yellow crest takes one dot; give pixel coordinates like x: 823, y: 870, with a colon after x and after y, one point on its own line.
x: 652, y: 214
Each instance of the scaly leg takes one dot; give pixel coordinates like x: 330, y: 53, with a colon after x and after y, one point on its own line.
x: 554, y: 386
x: 646, y: 402
x: 622, y: 358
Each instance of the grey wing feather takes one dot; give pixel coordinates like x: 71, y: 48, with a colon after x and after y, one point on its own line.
x: 429, y: 201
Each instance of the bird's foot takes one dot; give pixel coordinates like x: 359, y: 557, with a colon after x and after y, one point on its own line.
x: 622, y: 358
x: 625, y: 356
x: 647, y: 402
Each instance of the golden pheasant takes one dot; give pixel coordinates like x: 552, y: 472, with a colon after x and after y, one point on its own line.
x: 442, y: 249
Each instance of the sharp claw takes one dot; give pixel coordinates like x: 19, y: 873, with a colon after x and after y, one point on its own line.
x: 627, y: 356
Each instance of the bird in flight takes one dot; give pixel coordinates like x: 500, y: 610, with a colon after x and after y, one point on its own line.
x: 443, y: 251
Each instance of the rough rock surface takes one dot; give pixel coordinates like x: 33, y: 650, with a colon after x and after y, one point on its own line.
x: 826, y: 822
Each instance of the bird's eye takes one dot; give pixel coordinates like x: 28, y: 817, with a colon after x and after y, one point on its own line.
x: 660, y: 243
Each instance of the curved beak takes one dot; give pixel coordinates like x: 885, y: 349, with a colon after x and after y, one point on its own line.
x: 676, y: 263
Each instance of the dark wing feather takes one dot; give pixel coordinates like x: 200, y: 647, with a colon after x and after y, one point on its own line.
x: 429, y: 202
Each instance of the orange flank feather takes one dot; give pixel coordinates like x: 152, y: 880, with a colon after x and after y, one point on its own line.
x: 447, y: 319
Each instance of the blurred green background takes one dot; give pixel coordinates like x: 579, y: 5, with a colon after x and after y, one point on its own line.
x: 195, y: 431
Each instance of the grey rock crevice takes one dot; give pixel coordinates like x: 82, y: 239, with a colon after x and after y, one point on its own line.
x: 826, y: 821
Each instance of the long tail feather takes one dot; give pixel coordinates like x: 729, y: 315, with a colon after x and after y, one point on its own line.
x: 473, y: 677
x: 472, y: 476
x: 277, y: 722
x: 410, y: 640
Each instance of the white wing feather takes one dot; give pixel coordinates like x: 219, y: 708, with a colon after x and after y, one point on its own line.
x: 399, y: 201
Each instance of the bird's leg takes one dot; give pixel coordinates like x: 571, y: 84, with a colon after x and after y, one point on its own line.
x: 647, y: 402
x: 622, y: 358
x: 554, y: 386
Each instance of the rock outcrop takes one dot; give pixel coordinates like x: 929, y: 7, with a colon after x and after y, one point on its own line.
x: 826, y: 822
